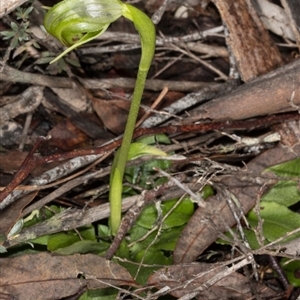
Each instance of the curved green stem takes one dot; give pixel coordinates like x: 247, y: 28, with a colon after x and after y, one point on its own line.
x: 119, y: 164
x: 146, y: 30
x: 75, y: 22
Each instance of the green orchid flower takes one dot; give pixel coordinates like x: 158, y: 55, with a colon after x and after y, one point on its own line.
x: 76, y: 22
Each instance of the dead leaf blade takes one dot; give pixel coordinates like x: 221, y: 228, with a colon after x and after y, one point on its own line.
x: 46, y: 276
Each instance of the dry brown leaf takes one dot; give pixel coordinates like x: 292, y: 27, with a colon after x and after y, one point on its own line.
x: 113, y: 113
x: 44, y: 276
x: 188, y: 277
x: 11, y: 161
x: 66, y: 136
x: 204, y: 226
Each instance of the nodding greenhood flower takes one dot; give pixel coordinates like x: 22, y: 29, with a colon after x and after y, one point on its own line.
x: 75, y: 22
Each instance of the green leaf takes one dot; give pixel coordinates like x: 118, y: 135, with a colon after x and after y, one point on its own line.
x: 179, y: 216
x: 42, y: 240
x: 28, y: 11
x: 250, y: 237
x: 140, y: 149
x: 153, y: 139
x: 62, y: 239
x: 292, y: 271
x: 100, y: 294
x: 7, y: 34
x: 14, y: 26
x: 14, y: 43
x: 154, y: 258
x: 152, y: 261
x: 84, y: 246
x: 285, y: 193
x: 169, y: 233
x: 142, y: 174
x: 123, y: 250
x: 166, y: 240
x: 289, y: 169
x: 88, y: 232
x: 23, y: 13
x: 136, y: 232
x: 207, y: 191
x: 103, y: 231
x: 73, y: 62
x: 278, y: 220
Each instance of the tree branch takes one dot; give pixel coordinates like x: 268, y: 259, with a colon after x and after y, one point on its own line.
x: 9, y: 5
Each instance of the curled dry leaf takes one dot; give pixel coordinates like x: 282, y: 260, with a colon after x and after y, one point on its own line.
x: 44, y: 276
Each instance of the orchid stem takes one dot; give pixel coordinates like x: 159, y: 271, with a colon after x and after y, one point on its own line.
x: 146, y: 30
x: 76, y: 22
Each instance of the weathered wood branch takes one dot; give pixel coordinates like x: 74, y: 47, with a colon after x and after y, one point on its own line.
x: 9, y: 5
